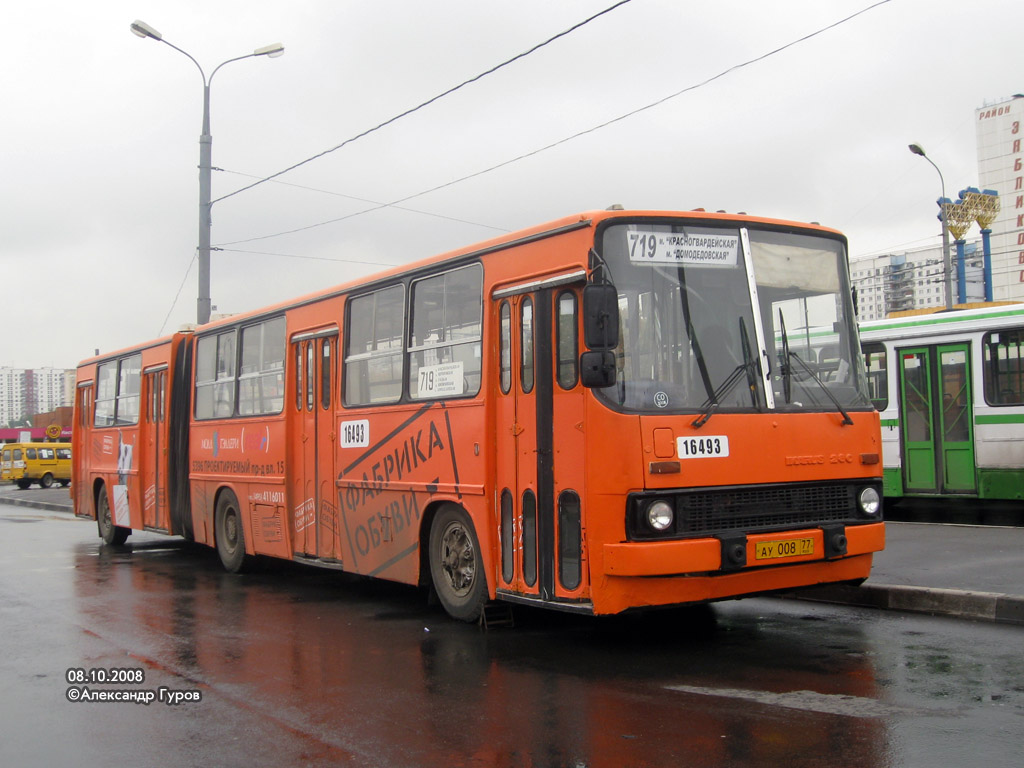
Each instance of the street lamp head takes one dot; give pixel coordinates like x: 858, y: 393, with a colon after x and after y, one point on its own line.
x: 142, y: 29
x: 917, y: 150
x: 271, y: 51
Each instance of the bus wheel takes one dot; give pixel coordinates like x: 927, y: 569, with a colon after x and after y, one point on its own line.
x: 230, y: 534
x: 24, y: 484
x: 46, y: 480
x: 115, y: 535
x: 455, y: 564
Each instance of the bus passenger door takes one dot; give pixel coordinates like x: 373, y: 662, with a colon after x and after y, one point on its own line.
x: 313, y: 498
x: 539, y: 448
x: 917, y: 421
x: 936, y: 420
x: 956, y: 419
x: 81, y: 455
x: 154, y: 423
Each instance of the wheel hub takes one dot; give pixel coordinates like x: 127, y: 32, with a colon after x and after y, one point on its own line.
x: 457, y: 558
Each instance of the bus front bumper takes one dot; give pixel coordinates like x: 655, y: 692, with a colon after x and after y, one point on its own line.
x: 756, y: 551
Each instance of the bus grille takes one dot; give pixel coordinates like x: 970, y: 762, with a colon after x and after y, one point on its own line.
x: 760, y: 508
x: 751, y: 509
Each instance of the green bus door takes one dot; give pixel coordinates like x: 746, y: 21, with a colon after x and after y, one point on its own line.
x: 936, y: 420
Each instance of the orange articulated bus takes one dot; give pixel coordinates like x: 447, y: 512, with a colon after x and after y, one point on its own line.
x: 613, y: 411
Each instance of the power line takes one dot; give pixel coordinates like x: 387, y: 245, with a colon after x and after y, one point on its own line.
x: 430, y: 101
x: 585, y: 132
x: 177, y: 295
x: 396, y: 203
x: 311, y: 258
x: 448, y: 92
x: 361, y: 200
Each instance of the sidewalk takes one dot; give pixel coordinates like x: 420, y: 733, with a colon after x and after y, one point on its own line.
x: 967, y: 571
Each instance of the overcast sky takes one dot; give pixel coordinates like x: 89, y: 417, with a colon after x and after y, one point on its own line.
x: 98, y: 180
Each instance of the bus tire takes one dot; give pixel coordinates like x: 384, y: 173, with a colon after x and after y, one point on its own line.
x: 114, y: 535
x: 230, y: 534
x: 24, y: 484
x: 46, y: 480
x: 456, y: 567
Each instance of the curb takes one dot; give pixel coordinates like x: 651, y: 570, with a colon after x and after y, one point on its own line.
x: 979, y: 606
x: 49, y: 506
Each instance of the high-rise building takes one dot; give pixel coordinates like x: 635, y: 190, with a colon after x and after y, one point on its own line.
x: 26, y: 392
x: 911, y: 280
x: 1000, y: 134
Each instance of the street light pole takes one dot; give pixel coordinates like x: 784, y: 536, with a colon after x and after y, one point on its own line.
x: 947, y: 269
x: 203, y: 303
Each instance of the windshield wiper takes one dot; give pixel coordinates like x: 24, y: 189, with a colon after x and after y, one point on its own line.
x: 715, y: 395
x: 702, y: 366
x: 787, y: 373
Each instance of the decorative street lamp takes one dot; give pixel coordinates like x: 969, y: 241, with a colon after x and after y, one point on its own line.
x: 959, y: 216
x: 942, y: 201
x: 141, y: 29
x: 985, y: 206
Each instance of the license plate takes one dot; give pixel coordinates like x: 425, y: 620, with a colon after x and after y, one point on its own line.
x: 774, y: 550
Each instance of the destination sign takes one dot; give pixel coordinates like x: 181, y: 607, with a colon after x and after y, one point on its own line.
x: 710, y: 249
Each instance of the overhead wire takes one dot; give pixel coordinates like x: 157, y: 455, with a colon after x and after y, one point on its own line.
x: 579, y: 134
x: 375, y: 203
x: 430, y: 101
x: 177, y: 296
x: 391, y: 120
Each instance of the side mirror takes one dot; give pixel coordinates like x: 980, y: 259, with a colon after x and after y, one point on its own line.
x: 597, y: 369
x: 600, y: 316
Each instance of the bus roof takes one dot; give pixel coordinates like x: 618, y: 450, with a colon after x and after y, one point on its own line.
x: 136, y: 348
x: 566, y: 224
x: 582, y: 220
x: 958, y: 320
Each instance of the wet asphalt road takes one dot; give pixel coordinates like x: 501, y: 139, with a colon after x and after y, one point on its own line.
x: 295, y: 666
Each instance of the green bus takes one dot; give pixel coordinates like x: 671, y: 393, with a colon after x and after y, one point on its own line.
x: 950, y: 390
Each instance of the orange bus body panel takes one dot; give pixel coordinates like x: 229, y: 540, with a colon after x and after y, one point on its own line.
x: 127, y: 460
x: 357, y: 487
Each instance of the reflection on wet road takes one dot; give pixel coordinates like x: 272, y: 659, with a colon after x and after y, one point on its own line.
x: 296, y: 666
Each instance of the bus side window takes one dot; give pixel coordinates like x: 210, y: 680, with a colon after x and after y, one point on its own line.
x: 325, y: 373
x: 215, y: 376
x: 310, y: 380
x: 106, y: 393
x: 1004, y: 376
x: 568, y: 346
x: 298, y: 377
x: 878, y: 377
x: 506, y: 347
x: 373, y: 347
x: 261, y: 373
x: 526, y: 348
x: 445, y: 334
x: 129, y: 390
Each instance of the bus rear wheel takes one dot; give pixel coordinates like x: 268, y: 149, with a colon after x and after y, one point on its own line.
x: 230, y: 533
x: 24, y: 484
x: 456, y: 568
x: 46, y: 480
x: 115, y: 535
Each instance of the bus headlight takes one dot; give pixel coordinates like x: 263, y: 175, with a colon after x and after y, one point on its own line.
x: 660, y: 516
x: 869, y: 501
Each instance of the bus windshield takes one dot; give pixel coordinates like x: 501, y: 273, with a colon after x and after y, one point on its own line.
x: 691, y: 341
